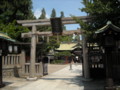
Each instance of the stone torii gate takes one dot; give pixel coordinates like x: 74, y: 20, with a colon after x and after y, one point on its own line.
x: 44, y: 22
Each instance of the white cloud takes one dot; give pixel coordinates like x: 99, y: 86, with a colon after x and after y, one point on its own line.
x: 48, y: 16
x: 37, y: 13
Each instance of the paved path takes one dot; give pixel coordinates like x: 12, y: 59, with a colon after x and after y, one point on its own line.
x: 12, y: 82
x: 55, y: 67
x: 64, y: 79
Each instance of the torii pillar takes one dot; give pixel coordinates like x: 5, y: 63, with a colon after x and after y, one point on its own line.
x: 32, y: 55
x: 86, y: 69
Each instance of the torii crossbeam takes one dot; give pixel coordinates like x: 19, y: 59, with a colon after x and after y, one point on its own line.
x: 45, y: 22
x: 29, y: 34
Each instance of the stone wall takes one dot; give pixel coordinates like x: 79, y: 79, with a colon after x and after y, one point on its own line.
x: 14, y: 65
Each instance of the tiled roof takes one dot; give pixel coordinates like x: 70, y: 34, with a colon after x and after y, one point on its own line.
x: 108, y: 25
x: 6, y: 37
x: 67, y: 46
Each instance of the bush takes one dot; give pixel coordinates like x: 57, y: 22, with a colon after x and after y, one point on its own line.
x: 57, y: 61
x: 64, y: 53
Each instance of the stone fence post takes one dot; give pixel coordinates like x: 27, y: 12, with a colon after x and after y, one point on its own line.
x: 22, y: 60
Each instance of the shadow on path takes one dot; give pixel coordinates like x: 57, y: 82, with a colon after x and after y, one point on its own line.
x: 96, y: 84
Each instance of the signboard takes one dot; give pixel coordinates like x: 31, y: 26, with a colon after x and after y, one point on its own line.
x: 56, y: 24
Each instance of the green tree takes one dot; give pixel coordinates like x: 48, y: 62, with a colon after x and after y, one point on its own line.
x: 45, y: 47
x: 43, y: 28
x: 63, y: 53
x: 64, y: 38
x: 43, y: 14
x: 11, y: 10
x: 13, y: 30
x: 53, y: 43
x: 62, y: 16
x: 53, y: 14
x: 101, y: 12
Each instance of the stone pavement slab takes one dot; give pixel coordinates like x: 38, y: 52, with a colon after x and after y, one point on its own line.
x: 64, y: 79
x: 12, y: 82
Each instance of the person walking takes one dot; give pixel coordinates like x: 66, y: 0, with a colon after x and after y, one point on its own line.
x: 45, y: 65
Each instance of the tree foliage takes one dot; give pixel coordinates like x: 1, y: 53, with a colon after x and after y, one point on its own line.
x: 12, y: 10
x: 53, y: 14
x: 66, y: 38
x: 13, y: 30
x: 62, y: 14
x: 64, y: 53
x: 52, y: 43
x: 43, y: 14
x: 101, y: 12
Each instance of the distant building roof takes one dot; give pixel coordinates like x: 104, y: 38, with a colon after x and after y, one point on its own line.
x: 67, y: 46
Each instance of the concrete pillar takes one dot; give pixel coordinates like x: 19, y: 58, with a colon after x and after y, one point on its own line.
x: 48, y: 39
x: 86, y: 68
x: 3, y: 60
x: 58, y: 40
x: 37, y: 39
x: 1, y: 76
x: 8, y: 60
x: 22, y: 62
x: 32, y: 55
x: 41, y: 68
x: 11, y: 59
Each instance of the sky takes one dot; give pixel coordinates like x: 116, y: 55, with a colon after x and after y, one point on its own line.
x: 69, y: 7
